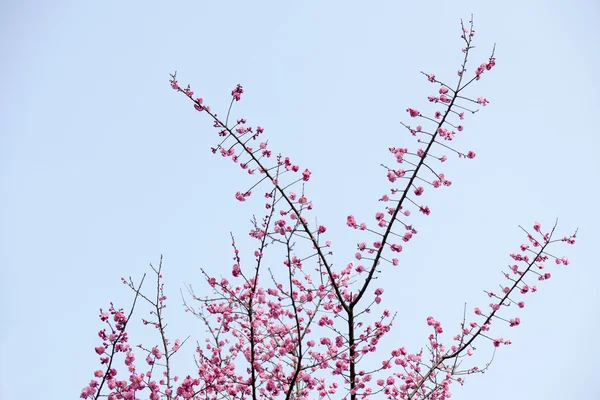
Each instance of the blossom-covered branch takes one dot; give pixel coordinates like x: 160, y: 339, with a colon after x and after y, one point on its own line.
x: 297, y: 329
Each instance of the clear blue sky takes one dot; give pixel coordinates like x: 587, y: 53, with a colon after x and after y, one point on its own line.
x: 103, y: 167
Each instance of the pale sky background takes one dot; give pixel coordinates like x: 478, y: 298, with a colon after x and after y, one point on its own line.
x: 104, y: 167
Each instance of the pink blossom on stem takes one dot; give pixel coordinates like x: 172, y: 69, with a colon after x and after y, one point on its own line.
x: 413, y: 113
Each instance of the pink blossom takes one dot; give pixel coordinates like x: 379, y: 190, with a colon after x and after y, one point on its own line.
x: 237, y: 92
x: 306, y: 175
x: 413, y: 113
x: 483, y: 101
x: 240, y: 197
x: 350, y: 221
x: 396, y: 247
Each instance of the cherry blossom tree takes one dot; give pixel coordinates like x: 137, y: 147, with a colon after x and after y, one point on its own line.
x: 305, y: 328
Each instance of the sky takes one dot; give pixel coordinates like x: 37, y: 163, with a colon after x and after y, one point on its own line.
x: 103, y: 167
